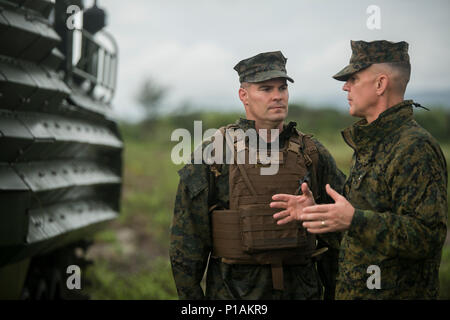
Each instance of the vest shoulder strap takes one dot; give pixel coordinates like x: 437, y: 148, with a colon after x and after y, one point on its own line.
x: 311, y: 156
x: 215, y: 170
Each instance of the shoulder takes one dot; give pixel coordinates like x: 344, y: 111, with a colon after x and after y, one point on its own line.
x: 195, y: 176
x: 414, y: 143
x: 310, y: 144
x: 324, y: 155
x: 207, y: 143
x: 416, y: 150
x: 320, y: 147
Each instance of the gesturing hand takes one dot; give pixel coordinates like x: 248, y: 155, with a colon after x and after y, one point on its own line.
x: 328, y: 217
x: 292, y: 204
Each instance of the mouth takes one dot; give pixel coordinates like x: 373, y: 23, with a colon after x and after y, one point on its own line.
x: 277, y: 107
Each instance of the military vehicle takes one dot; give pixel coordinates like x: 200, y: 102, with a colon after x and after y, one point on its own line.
x: 60, y: 149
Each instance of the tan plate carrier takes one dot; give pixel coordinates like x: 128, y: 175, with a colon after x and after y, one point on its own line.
x: 247, y: 233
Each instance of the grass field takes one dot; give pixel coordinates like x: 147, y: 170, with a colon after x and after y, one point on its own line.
x: 131, y: 255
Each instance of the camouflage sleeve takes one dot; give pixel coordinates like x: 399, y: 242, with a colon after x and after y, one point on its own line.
x: 328, y: 173
x: 327, y: 265
x: 416, y: 226
x: 190, y: 239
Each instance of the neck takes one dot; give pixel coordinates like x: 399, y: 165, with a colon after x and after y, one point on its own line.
x: 267, y: 136
x: 382, y: 105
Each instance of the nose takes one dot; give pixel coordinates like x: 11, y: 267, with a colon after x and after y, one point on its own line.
x: 277, y: 95
x: 346, y: 86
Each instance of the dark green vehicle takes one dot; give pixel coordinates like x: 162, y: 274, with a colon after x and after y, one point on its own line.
x: 60, y: 151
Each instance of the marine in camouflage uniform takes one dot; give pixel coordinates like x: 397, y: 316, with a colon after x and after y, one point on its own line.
x: 394, y: 207
x: 398, y: 186
x: 191, y: 233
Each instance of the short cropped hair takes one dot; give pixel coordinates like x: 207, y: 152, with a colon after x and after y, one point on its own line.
x: 245, y: 85
x: 399, y: 72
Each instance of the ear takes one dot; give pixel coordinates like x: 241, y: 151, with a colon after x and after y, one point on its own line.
x: 382, y: 83
x: 243, y: 96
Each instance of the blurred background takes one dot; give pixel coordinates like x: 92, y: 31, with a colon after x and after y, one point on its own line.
x: 176, y: 64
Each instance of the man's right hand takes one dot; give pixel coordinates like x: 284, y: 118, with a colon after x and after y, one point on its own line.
x: 292, y: 204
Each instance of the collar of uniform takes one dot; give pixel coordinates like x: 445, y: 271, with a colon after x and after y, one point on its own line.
x: 288, y: 129
x: 245, y: 124
x: 361, y: 134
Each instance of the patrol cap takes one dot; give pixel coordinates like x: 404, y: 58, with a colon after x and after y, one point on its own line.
x: 365, y: 54
x: 262, y: 67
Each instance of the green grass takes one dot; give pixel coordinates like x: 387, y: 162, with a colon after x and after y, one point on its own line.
x: 444, y: 275
x: 131, y: 255
x: 153, y: 283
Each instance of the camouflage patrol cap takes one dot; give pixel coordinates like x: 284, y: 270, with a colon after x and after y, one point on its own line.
x: 262, y: 67
x: 365, y: 54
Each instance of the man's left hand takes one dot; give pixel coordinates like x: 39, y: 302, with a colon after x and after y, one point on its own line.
x: 328, y: 217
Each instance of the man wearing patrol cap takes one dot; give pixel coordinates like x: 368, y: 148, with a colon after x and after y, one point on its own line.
x: 393, y: 211
x: 220, y: 208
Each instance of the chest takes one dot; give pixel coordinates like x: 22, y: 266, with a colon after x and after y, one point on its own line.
x: 246, y: 184
x: 367, y: 186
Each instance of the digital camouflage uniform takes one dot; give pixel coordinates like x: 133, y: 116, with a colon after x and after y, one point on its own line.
x: 191, y: 241
x: 191, y: 234
x: 398, y: 186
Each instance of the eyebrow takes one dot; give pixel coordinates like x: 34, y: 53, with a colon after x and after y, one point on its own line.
x: 272, y: 86
x: 265, y: 86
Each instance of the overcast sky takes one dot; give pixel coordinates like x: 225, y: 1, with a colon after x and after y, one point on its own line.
x: 192, y: 46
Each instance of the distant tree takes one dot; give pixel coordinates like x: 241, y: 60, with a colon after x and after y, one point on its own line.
x: 149, y: 96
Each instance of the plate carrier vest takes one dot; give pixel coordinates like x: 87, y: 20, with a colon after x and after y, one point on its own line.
x: 247, y: 233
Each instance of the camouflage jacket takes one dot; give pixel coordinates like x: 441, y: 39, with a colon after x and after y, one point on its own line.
x: 398, y: 186
x: 191, y: 240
